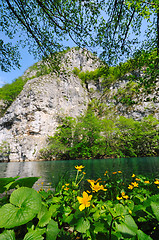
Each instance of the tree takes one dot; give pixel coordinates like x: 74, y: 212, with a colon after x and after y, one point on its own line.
x: 111, y: 27
x: 44, y: 25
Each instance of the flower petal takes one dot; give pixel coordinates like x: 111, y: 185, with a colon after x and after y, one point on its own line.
x: 81, y: 207
x: 80, y: 199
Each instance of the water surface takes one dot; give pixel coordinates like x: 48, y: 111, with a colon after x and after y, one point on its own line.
x: 51, y: 171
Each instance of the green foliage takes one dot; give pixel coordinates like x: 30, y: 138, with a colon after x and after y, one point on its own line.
x: 110, y: 207
x: 46, y: 25
x: 9, y: 92
x: 126, y: 94
x: 24, y: 204
x: 91, y: 136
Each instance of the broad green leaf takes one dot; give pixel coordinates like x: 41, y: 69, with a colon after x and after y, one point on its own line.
x: 155, y: 209
x: 56, y: 199
x: 53, y: 209
x: 52, y: 230
x: 82, y: 225
x: 25, y: 203
x: 45, y: 219
x: 99, y: 227
x: 7, y: 235
x: 35, y: 235
x: 155, y: 205
x: 4, y: 182
x: 127, y: 227
x: 120, y: 210
x: 24, y: 182
x: 153, y: 202
x: 42, y: 211
x: 142, y: 236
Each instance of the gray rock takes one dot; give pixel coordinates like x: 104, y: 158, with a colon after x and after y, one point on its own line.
x: 34, y: 115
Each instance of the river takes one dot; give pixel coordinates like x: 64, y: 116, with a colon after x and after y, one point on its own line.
x: 51, y: 171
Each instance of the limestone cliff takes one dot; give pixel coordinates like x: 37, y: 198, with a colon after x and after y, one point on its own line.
x: 35, y: 112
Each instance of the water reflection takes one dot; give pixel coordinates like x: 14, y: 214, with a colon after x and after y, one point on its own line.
x: 52, y: 171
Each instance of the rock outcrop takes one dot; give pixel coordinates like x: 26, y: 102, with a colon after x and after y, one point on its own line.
x: 35, y: 113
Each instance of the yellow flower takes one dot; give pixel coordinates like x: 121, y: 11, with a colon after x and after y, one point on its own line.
x: 135, y: 184
x: 79, y: 168
x: 131, y: 187
x: 66, y: 185
x: 97, y: 187
x: 157, y: 181
x: 133, y: 175
x: 114, y: 172
x: 105, y: 173
x: 137, y: 179
x: 126, y: 196
x: 119, y: 171
x: 146, y: 181
x: 84, y: 201
x: 130, y: 211
x: 84, y: 173
x: 66, y: 188
x: 90, y: 181
x: 119, y: 198
x: 98, y: 179
x: 123, y: 193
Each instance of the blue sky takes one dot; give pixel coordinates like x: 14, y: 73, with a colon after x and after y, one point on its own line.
x: 26, y: 61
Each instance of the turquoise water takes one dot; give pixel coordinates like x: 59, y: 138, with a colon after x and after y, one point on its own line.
x: 51, y: 171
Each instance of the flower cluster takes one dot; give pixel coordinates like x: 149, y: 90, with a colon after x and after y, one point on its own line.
x: 123, y: 196
x: 95, y: 186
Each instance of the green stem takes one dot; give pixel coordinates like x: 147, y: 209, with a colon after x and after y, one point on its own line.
x: 80, y: 180
x: 76, y: 176
x: 110, y: 229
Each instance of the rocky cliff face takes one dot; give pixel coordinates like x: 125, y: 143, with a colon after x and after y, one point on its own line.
x: 34, y: 114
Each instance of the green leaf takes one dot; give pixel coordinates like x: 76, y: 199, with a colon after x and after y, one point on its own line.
x: 155, y: 209
x: 24, y: 182
x: 52, y: 230
x: 45, y: 219
x: 141, y: 235
x: 99, y: 227
x: 4, y: 182
x: 127, y: 227
x: 24, y: 205
x: 155, y: 205
x: 53, y: 209
x: 35, y: 235
x: 7, y: 235
x: 56, y: 199
x: 153, y: 202
x: 82, y: 225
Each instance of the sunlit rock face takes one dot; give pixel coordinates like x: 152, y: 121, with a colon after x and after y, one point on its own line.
x: 34, y: 115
